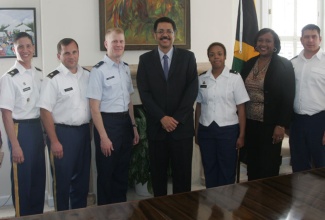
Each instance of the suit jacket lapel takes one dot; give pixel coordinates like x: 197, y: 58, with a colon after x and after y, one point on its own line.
x: 157, y: 64
x: 173, y: 63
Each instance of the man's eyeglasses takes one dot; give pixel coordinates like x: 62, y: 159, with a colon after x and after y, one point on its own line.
x: 169, y: 32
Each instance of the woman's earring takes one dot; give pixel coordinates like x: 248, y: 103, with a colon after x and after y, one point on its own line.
x: 275, y: 50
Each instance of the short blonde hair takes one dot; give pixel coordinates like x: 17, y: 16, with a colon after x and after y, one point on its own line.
x: 114, y: 29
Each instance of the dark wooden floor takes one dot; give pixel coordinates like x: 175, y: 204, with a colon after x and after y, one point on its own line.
x: 293, y: 196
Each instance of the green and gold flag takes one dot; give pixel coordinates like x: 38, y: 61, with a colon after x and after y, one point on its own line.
x: 246, y: 30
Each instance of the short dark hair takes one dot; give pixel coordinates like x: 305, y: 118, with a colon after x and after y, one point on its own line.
x: 310, y: 27
x: 21, y: 35
x: 277, y: 43
x: 164, y: 19
x: 217, y: 44
x: 65, y: 42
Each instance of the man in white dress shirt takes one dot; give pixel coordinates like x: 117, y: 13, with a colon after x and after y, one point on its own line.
x: 65, y: 114
x: 307, y: 133
x: 19, y: 93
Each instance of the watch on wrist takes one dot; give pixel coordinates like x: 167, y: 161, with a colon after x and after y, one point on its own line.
x: 134, y: 125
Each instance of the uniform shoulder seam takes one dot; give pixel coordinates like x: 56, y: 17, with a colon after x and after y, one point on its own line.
x: 294, y: 57
x: 85, y: 69
x: 38, y: 69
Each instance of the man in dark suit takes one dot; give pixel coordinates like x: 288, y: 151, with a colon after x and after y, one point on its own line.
x: 168, y: 86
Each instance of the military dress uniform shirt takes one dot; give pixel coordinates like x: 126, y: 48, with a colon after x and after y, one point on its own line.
x: 64, y: 94
x: 219, y: 97
x: 110, y: 83
x: 20, y: 91
x: 310, y: 83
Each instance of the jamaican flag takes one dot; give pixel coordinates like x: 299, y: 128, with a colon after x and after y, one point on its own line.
x: 246, y: 30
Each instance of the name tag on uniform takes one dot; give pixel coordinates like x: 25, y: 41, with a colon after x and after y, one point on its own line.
x: 26, y: 89
x: 110, y: 78
x: 68, y: 89
x: 203, y: 86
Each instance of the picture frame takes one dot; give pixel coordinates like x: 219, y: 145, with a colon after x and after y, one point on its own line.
x: 12, y: 21
x: 137, y: 17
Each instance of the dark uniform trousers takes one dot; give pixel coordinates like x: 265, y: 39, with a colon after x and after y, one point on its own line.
x: 112, y: 179
x: 263, y: 157
x: 219, y: 154
x: 28, y: 178
x: 71, y: 173
x: 306, y: 148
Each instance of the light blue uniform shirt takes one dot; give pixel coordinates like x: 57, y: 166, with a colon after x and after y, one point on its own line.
x: 110, y: 83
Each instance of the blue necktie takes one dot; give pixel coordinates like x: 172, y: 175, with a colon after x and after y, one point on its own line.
x: 165, y: 66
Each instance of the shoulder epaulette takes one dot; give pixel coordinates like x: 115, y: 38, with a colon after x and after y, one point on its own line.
x: 203, y: 73
x: 125, y: 63
x: 52, y: 74
x: 13, y: 72
x: 38, y: 69
x: 85, y: 69
x: 99, y: 64
x: 294, y: 57
x: 233, y: 71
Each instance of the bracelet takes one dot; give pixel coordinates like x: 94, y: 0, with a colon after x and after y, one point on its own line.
x: 280, y: 127
x: 134, y: 125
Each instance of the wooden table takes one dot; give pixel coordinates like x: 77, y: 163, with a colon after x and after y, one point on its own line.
x: 294, y: 196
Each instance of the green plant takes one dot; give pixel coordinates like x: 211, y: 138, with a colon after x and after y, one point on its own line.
x: 139, y: 171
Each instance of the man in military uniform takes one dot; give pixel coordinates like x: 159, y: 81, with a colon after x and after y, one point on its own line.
x: 66, y: 115
x: 19, y: 93
x: 115, y: 130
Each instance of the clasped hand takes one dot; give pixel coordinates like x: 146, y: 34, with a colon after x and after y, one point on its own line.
x: 169, y: 123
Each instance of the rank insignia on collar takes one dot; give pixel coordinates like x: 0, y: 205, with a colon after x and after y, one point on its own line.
x: 13, y: 72
x: 233, y: 71
x: 99, y: 64
x: 52, y: 74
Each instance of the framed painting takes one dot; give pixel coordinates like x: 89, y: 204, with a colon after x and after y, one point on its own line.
x: 13, y: 21
x: 137, y: 17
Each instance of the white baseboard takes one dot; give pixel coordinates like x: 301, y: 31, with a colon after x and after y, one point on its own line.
x: 50, y: 201
x: 286, y: 160
x: 7, y: 200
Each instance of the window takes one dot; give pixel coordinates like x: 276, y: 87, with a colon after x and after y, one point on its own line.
x: 288, y: 17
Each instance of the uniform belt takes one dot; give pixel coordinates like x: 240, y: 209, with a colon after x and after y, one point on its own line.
x: 305, y: 115
x: 32, y: 120
x: 70, y: 126
x: 116, y: 114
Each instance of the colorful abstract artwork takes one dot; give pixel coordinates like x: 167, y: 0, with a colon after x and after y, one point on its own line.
x: 137, y: 17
